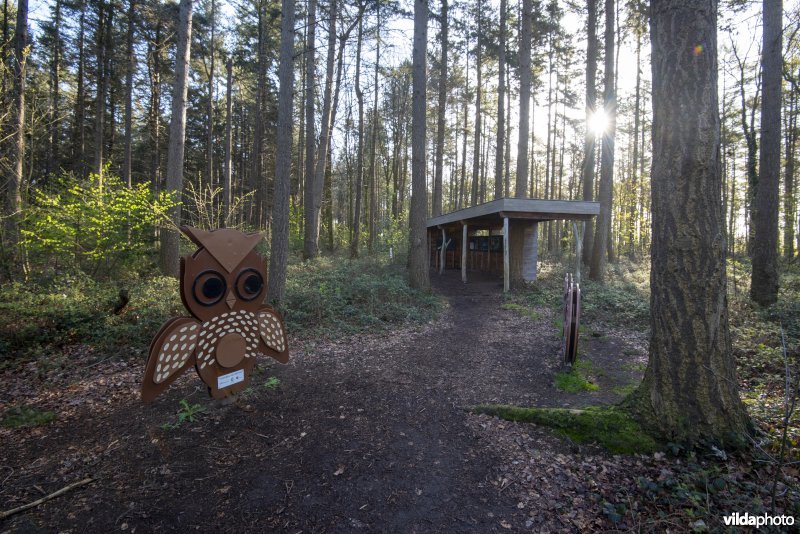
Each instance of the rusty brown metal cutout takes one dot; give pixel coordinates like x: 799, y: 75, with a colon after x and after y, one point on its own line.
x: 572, y: 314
x: 223, y: 286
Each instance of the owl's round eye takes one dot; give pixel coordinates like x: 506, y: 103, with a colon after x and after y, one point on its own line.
x: 209, y: 287
x: 249, y: 284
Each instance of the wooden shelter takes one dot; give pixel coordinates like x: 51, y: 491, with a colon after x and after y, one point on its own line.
x: 510, y: 245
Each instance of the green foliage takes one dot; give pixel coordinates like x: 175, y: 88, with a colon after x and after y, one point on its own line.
x: 187, y: 413
x: 272, y: 382
x: 96, y: 228
x: 606, y: 425
x: 330, y: 296
x: 574, y: 380
x: 22, y: 416
x: 73, y: 308
x: 533, y: 315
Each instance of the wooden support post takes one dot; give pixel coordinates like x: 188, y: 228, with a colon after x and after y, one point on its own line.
x: 443, y: 252
x: 506, y: 263
x: 464, y: 252
x: 488, y: 256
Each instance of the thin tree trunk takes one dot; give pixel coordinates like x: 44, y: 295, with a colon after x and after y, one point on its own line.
x: 789, y: 205
x: 597, y: 267
x: 170, y: 244
x: 100, y: 110
x: 419, y: 274
x: 501, y: 102
x: 764, y: 286
x: 279, y: 244
x: 440, y: 123
x: 17, y: 152
x: 476, y: 147
x: 53, y: 159
x: 311, y: 213
x: 131, y: 68
x: 226, y: 185
x: 372, y: 182
x: 590, y: 137
x: 524, y: 98
x: 314, y: 191
x: 462, y: 199
x: 634, y: 178
x: 210, y: 107
x: 79, y: 154
x: 354, y: 244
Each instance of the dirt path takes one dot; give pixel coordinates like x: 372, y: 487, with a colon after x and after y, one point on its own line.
x: 371, y: 433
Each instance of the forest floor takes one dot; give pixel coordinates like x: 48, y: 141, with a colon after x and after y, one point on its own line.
x: 370, y: 432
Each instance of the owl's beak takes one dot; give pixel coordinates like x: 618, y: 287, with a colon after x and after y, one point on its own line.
x: 230, y: 300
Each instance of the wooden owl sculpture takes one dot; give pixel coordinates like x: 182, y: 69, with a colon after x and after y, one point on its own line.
x: 223, y: 285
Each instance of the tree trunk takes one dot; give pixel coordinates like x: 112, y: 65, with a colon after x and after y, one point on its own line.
x: 501, y: 102
x: 752, y: 147
x: 354, y: 244
x: 689, y: 392
x: 79, y: 153
x: 590, y: 137
x: 314, y: 192
x: 372, y: 182
x: 170, y: 241
x: 419, y: 275
x: 226, y: 185
x: 476, y: 147
x: 210, y: 105
x: 789, y: 204
x: 436, y: 210
x: 462, y: 199
x: 17, y: 151
x: 279, y: 245
x: 131, y: 68
x: 524, y: 98
x: 764, y: 285
x: 597, y: 267
x: 631, y: 237
x: 310, y: 211
x: 100, y: 109
x: 53, y: 159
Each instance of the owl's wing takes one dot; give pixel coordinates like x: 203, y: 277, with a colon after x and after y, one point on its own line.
x: 273, y: 333
x: 171, y: 353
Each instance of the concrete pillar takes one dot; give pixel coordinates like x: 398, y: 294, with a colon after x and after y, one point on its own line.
x: 530, y: 252
x: 464, y: 245
x: 506, y: 263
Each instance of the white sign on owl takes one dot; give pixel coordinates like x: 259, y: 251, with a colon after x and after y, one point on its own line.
x: 223, y: 286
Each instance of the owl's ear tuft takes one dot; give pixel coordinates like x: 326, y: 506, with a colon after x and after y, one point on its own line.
x: 195, y: 234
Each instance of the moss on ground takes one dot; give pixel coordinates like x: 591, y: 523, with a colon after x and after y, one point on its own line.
x: 21, y: 416
x: 573, y: 381
x: 608, y: 426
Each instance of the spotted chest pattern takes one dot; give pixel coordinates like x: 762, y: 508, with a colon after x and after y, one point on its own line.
x: 240, y: 322
x: 271, y: 331
x: 176, y: 351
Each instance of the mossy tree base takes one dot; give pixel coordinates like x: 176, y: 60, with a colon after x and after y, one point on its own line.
x: 609, y: 426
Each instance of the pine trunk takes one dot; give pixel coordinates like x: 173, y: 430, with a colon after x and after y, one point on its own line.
x: 689, y: 393
x: 419, y: 275
x: 764, y: 286
x: 279, y: 245
x: 170, y: 241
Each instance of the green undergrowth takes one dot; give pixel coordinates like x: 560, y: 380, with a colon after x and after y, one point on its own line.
x: 533, y: 315
x: 577, y: 378
x: 332, y: 296
x: 72, y: 308
x: 607, y: 426
x: 22, y: 416
x: 325, y: 297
